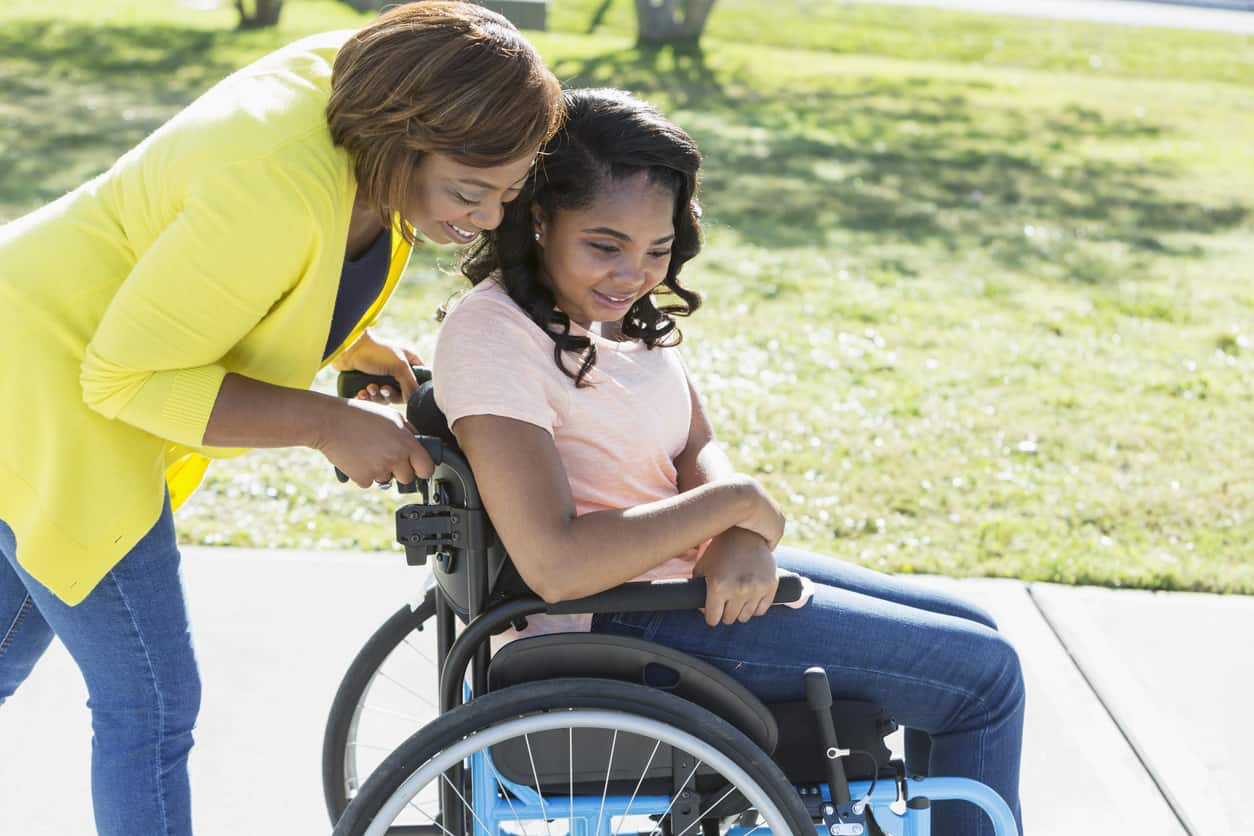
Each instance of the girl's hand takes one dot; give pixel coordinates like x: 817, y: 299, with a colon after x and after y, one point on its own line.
x: 740, y: 577
x: 372, y: 443
x: 373, y: 357
x: 764, y: 516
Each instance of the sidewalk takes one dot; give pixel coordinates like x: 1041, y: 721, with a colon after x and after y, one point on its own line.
x: 1128, y: 695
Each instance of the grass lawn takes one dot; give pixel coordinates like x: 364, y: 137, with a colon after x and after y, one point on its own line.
x: 979, y: 293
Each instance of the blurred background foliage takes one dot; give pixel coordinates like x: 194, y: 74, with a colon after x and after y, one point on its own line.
x: 979, y: 293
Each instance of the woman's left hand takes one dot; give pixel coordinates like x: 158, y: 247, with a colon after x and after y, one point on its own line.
x: 373, y: 357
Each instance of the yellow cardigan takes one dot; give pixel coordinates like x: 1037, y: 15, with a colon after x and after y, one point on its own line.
x: 214, y: 246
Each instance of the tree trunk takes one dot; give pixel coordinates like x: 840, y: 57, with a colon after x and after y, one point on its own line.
x: 672, y: 21
x: 265, y: 13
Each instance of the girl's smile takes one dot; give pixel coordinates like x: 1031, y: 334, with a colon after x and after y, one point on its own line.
x: 601, y: 259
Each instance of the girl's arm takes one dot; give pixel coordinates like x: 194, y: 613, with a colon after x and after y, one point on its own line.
x: 738, y: 565
x: 702, y: 460
x: 561, y: 555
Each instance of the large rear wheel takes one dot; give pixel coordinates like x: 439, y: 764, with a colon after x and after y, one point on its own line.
x: 577, y: 756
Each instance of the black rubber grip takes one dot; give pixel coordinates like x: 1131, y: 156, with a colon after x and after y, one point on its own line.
x: 349, y: 383
x: 659, y: 596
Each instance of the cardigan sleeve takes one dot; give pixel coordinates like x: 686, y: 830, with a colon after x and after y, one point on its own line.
x: 242, y: 240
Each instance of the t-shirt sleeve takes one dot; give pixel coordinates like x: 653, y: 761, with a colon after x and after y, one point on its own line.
x: 491, y: 360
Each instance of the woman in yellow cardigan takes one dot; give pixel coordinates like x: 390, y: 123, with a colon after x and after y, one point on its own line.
x: 179, y: 305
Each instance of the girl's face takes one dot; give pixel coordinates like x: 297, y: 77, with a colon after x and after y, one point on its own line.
x: 451, y: 202
x: 602, y: 258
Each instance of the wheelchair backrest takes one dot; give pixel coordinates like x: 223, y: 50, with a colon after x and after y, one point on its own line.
x: 470, y: 563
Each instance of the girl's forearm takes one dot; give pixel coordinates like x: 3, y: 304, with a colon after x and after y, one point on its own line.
x: 596, y: 551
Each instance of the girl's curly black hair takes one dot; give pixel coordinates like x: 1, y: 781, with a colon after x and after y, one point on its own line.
x: 608, y: 135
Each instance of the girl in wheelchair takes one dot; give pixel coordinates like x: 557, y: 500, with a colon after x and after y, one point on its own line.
x: 560, y: 375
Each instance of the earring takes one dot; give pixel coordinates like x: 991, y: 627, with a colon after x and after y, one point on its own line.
x: 537, y: 236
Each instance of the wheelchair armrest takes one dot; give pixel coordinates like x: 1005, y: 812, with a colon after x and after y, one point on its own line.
x: 658, y: 596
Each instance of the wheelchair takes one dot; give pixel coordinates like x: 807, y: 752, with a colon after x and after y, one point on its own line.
x: 581, y: 734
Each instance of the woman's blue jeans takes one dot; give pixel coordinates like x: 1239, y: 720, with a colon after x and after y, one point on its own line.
x: 131, y: 641
x: 935, y: 662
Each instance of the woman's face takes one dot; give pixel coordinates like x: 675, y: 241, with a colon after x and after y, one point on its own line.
x: 604, y: 257
x: 451, y: 202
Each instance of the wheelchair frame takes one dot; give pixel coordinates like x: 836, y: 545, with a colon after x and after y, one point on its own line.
x: 451, y: 527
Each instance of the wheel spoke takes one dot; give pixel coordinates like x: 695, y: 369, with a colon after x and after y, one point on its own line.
x: 536, y: 776
x: 657, y: 744
x: 510, y: 801
x: 405, y: 687
x: 730, y: 790
x: 682, y: 787
x: 609, y: 767
x: 466, y: 804
x: 422, y: 654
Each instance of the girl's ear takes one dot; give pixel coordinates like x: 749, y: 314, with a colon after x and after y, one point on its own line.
x: 537, y: 224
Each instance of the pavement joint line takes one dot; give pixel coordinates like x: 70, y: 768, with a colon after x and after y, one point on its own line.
x: 1155, y: 778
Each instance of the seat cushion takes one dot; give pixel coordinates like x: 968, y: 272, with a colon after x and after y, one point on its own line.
x: 638, y: 661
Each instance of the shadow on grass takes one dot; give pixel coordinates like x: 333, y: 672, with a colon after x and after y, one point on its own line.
x: 914, y: 161
x: 73, y: 97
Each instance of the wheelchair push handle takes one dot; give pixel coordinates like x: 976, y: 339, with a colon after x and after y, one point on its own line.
x: 349, y: 383
x: 659, y: 596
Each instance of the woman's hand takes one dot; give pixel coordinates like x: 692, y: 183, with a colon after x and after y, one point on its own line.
x: 373, y: 357
x: 372, y: 443
x: 764, y: 516
x: 740, y: 577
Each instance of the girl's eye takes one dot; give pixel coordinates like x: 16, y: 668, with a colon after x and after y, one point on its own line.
x: 465, y: 199
x: 659, y: 254
x: 605, y: 248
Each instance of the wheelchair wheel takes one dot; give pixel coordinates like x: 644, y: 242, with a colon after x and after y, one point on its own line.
x: 388, y: 692
x: 577, y: 756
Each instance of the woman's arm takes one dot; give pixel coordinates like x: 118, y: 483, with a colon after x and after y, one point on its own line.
x: 367, y: 442
x: 561, y: 555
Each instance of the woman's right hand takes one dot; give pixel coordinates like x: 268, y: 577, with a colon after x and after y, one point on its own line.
x: 764, y: 517
x: 372, y: 444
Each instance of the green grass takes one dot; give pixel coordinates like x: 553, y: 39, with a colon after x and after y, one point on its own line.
x: 978, y: 288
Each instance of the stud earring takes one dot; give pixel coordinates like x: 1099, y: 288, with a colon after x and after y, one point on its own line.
x: 537, y: 236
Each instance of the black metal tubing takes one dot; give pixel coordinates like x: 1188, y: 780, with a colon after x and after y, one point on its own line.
x: 642, y: 596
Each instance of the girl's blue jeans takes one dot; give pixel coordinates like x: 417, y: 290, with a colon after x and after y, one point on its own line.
x: 131, y: 641
x: 935, y: 662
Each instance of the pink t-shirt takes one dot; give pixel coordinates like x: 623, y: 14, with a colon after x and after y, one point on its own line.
x: 617, y: 438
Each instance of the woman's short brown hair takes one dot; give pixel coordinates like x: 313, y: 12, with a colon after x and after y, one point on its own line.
x: 445, y: 77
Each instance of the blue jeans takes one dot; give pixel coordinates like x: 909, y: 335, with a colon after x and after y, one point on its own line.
x: 935, y: 662
x: 131, y: 641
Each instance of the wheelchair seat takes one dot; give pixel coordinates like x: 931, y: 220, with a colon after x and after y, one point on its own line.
x: 783, y: 730
x: 561, y: 655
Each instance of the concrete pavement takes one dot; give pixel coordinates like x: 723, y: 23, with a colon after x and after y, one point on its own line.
x: 1131, y: 700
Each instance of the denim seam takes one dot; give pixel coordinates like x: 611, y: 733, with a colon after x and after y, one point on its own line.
x: 11, y: 633
x: 165, y: 820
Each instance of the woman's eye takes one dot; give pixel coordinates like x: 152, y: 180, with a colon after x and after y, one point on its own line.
x: 464, y: 199
x: 660, y: 254
x: 605, y: 248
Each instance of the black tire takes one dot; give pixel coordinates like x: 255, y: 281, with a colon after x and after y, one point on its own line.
x: 348, y: 696
x: 510, y: 704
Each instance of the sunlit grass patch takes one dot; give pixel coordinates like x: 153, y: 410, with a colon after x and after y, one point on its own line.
x: 976, y: 303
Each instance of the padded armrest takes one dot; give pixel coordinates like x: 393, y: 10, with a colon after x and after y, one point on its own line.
x: 659, y: 596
